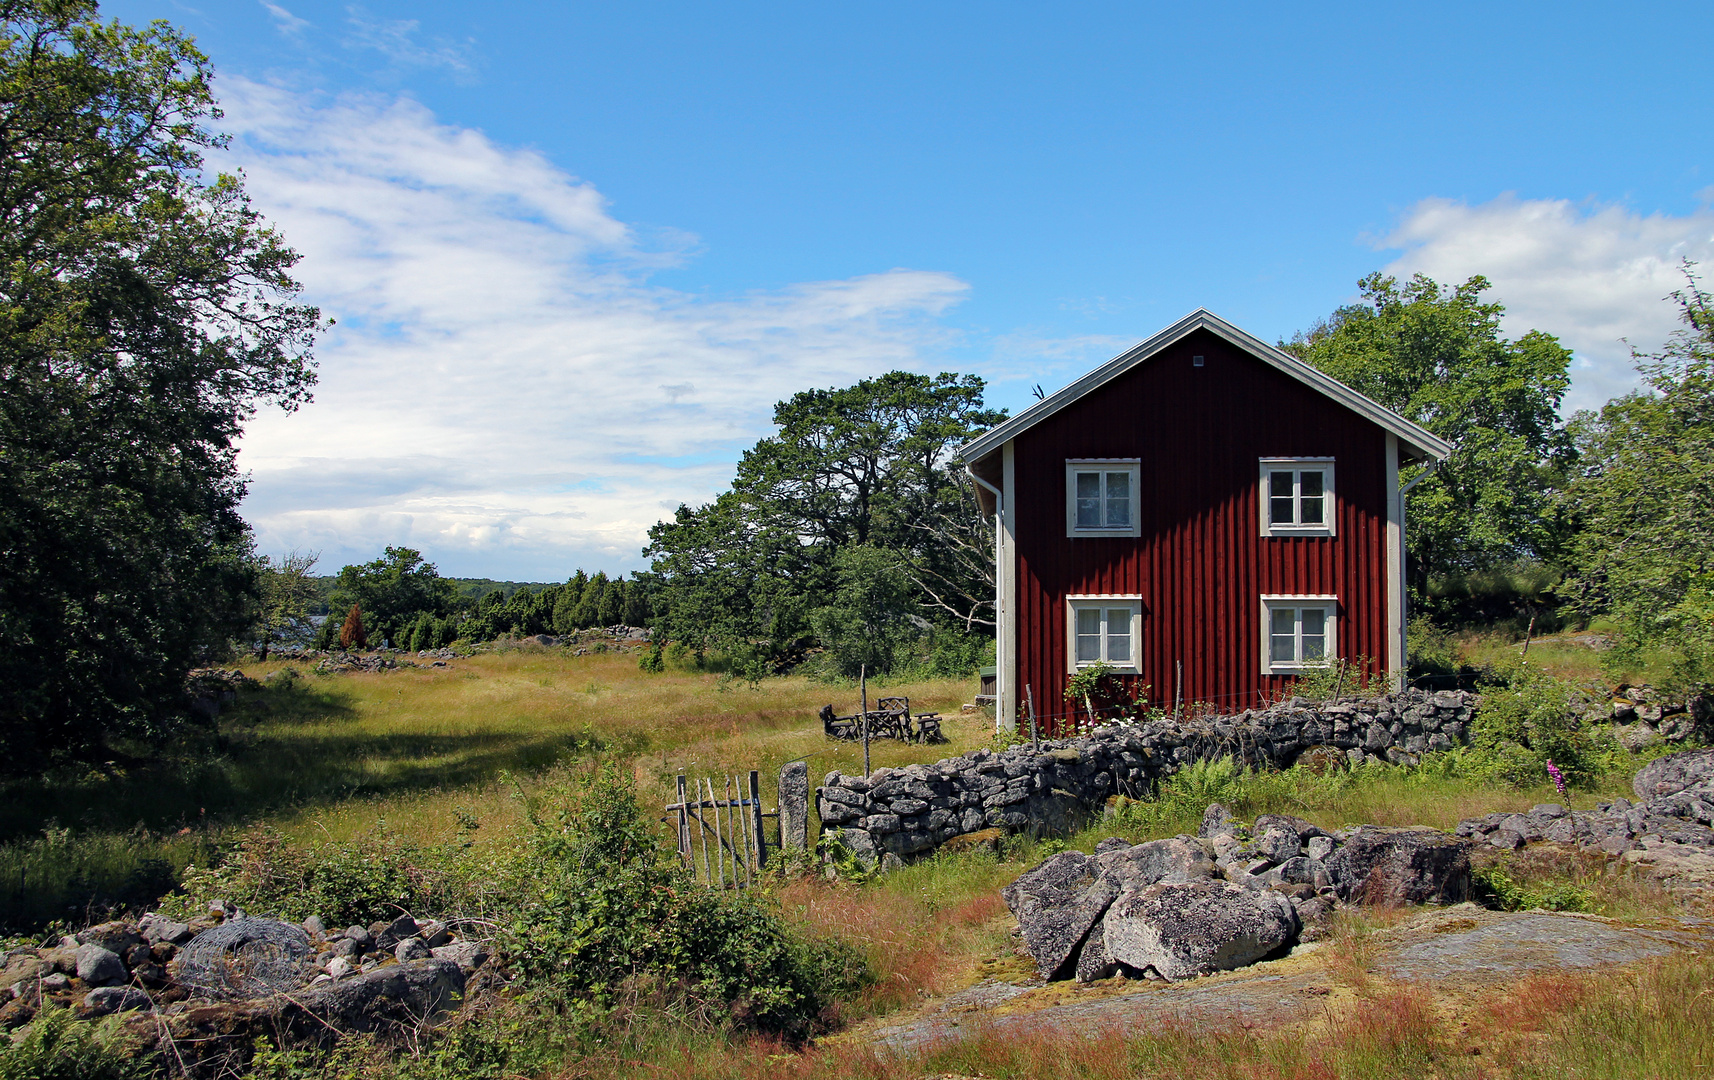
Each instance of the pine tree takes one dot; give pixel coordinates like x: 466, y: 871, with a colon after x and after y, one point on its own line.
x: 613, y: 603
x: 352, y: 633
x: 588, y: 612
x: 565, y: 608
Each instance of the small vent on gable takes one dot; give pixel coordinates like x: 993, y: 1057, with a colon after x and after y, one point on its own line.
x: 1196, y: 361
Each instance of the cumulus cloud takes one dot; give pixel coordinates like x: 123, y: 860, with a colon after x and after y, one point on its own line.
x: 1594, y: 275
x: 505, y: 388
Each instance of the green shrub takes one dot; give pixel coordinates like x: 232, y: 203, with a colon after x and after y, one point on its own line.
x: 601, y: 915
x: 360, y: 882
x: 57, y: 1047
x: 1498, y: 888
x: 1429, y: 650
x: 1526, y: 720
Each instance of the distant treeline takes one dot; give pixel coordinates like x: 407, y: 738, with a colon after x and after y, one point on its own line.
x: 402, y: 601
x: 469, y: 589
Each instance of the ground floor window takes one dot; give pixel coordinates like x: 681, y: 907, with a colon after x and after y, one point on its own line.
x: 1298, y: 632
x: 1104, y: 630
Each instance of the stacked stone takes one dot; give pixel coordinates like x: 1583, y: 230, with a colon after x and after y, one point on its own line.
x: 1222, y: 899
x: 124, y: 966
x: 906, y: 811
x: 1676, y: 806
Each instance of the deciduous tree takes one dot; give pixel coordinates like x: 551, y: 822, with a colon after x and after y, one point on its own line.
x: 146, y: 312
x: 1437, y: 356
x: 1643, y: 500
x: 861, y: 467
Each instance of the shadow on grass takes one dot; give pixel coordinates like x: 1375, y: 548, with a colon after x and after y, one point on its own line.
x: 300, y: 758
x: 73, y: 847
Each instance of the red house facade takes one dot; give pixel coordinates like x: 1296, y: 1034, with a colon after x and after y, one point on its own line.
x: 1205, y: 514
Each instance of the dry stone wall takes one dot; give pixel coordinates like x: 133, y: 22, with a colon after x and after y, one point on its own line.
x: 911, y: 810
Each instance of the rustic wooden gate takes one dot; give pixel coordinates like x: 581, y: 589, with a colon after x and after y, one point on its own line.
x: 722, y: 838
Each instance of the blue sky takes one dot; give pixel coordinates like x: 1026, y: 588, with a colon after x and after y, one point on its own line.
x: 577, y: 251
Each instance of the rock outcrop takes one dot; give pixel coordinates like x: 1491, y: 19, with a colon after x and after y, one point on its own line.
x: 1192, y: 905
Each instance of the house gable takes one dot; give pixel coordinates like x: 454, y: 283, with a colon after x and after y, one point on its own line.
x: 1200, y: 564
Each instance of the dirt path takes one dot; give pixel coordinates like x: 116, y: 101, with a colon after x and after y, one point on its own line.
x: 1459, y: 952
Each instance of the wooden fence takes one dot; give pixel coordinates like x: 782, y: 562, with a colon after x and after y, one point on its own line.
x: 722, y: 839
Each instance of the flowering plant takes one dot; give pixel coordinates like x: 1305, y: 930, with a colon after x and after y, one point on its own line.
x: 1556, y: 776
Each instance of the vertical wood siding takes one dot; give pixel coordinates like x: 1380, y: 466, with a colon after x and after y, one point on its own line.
x: 1201, y: 564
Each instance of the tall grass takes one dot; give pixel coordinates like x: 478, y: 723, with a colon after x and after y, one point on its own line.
x: 424, y: 750
x: 1652, y: 1022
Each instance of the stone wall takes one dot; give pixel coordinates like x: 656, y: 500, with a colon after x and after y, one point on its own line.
x: 914, y: 809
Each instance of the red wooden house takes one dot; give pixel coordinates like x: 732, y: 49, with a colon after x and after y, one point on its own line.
x: 1206, y: 514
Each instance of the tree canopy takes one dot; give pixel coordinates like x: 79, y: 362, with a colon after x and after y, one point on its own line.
x: 1643, y: 547
x: 856, y: 487
x: 1437, y: 357
x: 146, y: 312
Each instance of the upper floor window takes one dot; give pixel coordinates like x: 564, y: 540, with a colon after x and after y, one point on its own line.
x: 1101, y: 497
x: 1297, y: 497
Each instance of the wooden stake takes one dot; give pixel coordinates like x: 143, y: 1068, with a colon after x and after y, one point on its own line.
x: 684, y: 827
x: 702, y: 831
x: 1177, y: 689
x: 863, y: 686
x: 719, y: 835
x: 756, y: 819
x: 1030, y: 700
x: 1528, y: 635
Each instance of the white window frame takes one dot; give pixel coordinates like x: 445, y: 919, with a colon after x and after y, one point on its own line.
x: 1131, y: 466
x: 1104, y: 603
x: 1329, y: 515
x: 1272, y: 602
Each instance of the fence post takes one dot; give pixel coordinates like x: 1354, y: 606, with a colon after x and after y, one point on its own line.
x: 756, y: 818
x: 1030, y: 699
x: 684, y: 827
x: 794, y: 806
x: 863, y: 686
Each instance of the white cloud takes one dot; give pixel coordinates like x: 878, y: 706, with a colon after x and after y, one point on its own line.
x: 396, y: 39
x: 505, y: 389
x: 1593, y: 275
x: 284, y: 21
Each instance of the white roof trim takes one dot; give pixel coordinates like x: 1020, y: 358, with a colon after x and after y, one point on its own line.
x: 1425, y: 443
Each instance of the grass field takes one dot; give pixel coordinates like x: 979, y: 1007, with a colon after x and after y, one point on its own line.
x: 428, y: 753
x: 420, y: 749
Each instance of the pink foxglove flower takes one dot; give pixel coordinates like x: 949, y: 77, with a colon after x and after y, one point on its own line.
x: 1556, y: 776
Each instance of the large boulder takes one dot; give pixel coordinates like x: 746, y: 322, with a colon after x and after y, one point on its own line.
x: 1674, y: 773
x: 97, y: 966
x: 1196, y: 928
x: 398, y: 994
x: 1379, y: 865
x: 1055, y: 905
x: 1174, y: 861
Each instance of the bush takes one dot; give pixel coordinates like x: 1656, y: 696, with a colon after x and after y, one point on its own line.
x: 1495, y: 886
x: 1429, y: 649
x: 1525, y: 721
x: 345, y: 883
x: 601, y: 916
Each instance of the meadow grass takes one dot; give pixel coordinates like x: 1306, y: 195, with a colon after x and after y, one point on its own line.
x: 423, y: 750
x: 1651, y: 1021
x: 428, y: 754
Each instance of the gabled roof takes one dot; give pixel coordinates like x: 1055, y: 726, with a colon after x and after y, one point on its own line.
x: 1415, y: 442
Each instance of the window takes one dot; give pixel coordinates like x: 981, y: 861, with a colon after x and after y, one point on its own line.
x: 1298, y: 632
x: 1297, y: 497
x: 1104, y: 629
x: 1101, y: 496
